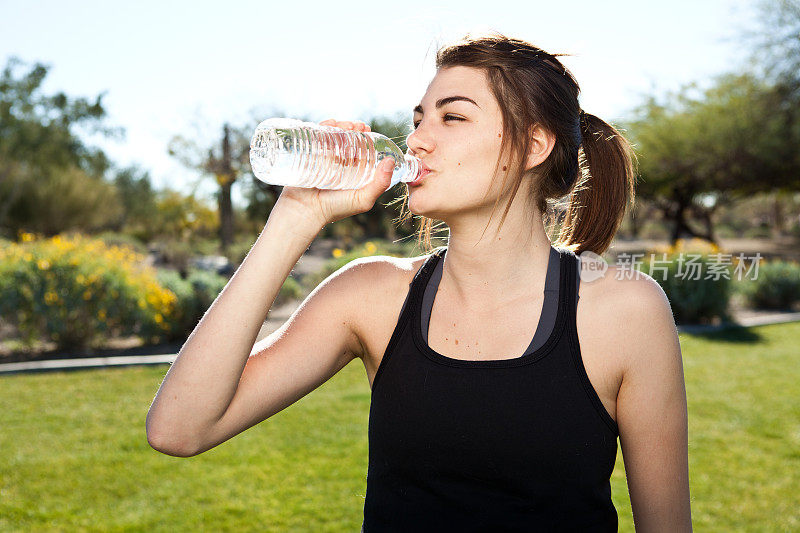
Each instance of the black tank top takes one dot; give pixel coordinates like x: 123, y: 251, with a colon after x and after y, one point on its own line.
x: 521, y: 444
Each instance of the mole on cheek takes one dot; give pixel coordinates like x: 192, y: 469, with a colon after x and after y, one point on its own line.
x: 505, y: 167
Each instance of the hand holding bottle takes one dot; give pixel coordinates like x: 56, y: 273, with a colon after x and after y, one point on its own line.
x: 329, y: 205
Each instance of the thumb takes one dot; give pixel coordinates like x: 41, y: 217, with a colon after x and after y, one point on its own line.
x: 383, y: 177
x: 367, y: 195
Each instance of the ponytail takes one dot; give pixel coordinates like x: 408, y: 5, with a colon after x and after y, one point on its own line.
x: 605, y: 184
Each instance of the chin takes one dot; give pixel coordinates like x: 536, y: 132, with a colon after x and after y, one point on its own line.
x: 421, y: 207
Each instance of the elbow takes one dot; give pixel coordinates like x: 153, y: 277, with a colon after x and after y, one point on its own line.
x: 171, y: 446
x: 169, y: 441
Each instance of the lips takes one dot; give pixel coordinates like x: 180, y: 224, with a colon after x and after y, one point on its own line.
x: 421, y: 177
x: 424, y: 171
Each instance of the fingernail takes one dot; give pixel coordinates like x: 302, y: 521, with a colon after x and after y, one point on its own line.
x: 388, y: 163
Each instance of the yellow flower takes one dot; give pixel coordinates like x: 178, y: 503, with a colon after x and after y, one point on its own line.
x: 27, y: 237
x: 337, y: 252
x: 87, y: 295
x: 43, y: 264
x: 370, y: 247
x: 101, y: 314
x: 159, y: 318
x: 50, y: 297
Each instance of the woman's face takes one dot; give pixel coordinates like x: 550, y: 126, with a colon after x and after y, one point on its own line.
x: 459, y: 140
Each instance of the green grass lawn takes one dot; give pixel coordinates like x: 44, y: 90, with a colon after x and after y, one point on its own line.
x: 73, y: 452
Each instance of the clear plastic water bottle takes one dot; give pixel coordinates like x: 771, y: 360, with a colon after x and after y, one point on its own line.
x: 285, y: 151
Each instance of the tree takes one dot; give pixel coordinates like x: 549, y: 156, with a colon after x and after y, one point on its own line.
x: 774, y: 41
x: 226, y: 162
x: 138, y: 202
x: 696, y: 154
x: 50, y: 180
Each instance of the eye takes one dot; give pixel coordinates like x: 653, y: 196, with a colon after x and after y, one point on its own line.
x: 446, y: 118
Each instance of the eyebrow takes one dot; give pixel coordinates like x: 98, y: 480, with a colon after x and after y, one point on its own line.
x: 444, y: 101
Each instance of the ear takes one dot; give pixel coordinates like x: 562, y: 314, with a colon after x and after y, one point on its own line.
x: 542, y: 143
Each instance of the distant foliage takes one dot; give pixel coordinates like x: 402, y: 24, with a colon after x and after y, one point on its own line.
x: 340, y: 258
x: 693, y: 301
x: 195, y: 295
x: 50, y: 178
x: 776, y: 287
x: 77, y: 291
x: 198, y: 291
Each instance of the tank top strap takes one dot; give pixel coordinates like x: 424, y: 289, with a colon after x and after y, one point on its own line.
x: 416, y: 287
x: 423, y: 275
x: 572, y: 263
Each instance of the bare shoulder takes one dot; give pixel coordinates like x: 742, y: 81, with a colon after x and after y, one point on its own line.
x: 621, y: 284
x: 378, y: 285
x: 633, y: 307
x: 367, y: 271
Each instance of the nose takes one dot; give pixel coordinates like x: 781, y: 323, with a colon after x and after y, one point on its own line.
x: 418, y: 141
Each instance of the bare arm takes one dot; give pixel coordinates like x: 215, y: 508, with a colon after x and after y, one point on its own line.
x: 652, y: 413
x: 221, y: 384
x: 203, y: 379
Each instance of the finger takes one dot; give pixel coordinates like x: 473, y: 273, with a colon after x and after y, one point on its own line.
x: 360, y: 126
x: 346, y: 125
x: 379, y: 184
x: 386, y: 172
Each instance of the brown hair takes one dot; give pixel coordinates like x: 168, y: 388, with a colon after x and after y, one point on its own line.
x: 590, y: 161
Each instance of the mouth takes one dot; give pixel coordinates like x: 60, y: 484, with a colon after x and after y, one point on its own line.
x: 423, y: 173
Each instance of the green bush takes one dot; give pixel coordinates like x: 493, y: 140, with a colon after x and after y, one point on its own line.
x: 123, y: 240
x: 693, y: 300
x: 290, y: 290
x: 198, y: 291
x: 239, y: 249
x: 77, y: 292
x: 187, y: 312
x: 195, y: 295
x: 777, y: 285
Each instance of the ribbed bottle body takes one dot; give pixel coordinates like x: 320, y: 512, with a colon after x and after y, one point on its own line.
x: 302, y: 154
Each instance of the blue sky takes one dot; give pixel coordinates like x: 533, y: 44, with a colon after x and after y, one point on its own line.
x: 182, y: 67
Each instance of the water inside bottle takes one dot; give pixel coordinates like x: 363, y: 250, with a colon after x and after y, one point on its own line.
x: 294, y: 153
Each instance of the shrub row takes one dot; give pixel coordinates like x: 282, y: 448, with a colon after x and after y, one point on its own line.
x: 79, y: 292
x: 775, y: 285
x: 76, y: 291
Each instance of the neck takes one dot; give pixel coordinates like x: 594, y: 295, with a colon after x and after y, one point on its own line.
x: 484, y: 271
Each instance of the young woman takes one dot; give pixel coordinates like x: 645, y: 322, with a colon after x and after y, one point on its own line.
x: 498, y: 395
